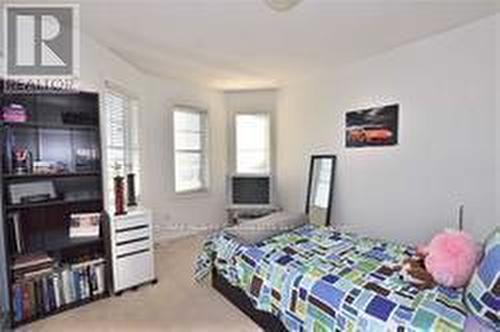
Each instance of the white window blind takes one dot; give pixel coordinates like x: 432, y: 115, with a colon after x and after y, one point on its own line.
x: 253, y: 144
x: 190, y: 140
x: 122, y: 137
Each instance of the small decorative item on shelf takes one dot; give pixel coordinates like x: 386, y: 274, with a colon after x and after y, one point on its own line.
x: 86, y: 160
x: 119, y: 191
x: 49, y: 167
x: 14, y: 113
x: 131, y: 198
x: 119, y: 196
x: 84, y: 225
x: 21, y: 161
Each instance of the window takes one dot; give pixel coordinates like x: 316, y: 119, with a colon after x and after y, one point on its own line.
x: 122, y: 137
x: 190, y: 140
x: 252, y: 144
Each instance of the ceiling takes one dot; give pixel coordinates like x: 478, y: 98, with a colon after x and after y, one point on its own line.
x: 238, y: 44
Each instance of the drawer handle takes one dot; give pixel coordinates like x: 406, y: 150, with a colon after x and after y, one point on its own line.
x: 133, y: 228
x: 132, y: 241
x: 132, y: 253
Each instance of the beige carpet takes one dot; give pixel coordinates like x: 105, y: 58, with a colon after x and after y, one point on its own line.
x: 176, y: 303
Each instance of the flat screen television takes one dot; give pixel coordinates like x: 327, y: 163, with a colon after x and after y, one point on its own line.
x: 251, y: 190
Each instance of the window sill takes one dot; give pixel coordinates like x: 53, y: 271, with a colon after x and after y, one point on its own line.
x: 195, y: 193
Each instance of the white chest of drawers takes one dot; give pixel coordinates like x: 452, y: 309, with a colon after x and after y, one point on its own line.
x: 132, y: 250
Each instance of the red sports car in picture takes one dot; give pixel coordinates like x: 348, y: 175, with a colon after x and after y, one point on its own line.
x: 369, y: 135
x: 372, y: 127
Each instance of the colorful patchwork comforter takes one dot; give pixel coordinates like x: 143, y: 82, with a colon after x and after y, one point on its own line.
x: 317, y: 279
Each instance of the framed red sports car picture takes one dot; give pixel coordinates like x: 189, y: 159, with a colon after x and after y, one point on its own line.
x: 376, y: 126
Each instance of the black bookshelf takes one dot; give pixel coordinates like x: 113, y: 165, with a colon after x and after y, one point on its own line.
x: 61, y: 130
x: 47, y: 176
x: 49, y: 203
x: 40, y: 125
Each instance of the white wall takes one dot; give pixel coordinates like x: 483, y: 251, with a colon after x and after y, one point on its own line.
x: 497, y: 89
x: 445, y: 86
x: 177, y: 215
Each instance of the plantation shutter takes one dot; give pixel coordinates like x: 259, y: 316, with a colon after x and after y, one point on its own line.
x: 122, y: 141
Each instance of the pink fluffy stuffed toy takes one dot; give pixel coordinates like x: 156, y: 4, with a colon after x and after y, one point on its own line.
x: 451, y: 258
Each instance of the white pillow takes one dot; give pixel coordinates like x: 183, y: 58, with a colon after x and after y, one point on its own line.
x: 253, y: 231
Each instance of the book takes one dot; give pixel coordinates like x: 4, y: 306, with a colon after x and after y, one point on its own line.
x: 46, y: 296
x: 31, y: 261
x: 66, y: 286
x: 32, y: 298
x: 84, y: 225
x: 18, y: 302
x: 93, y: 281
x: 40, y: 304
x: 57, y: 289
x: 18, y: 235
x: 44, y: 291
x: 77, y: 285
x: 35, y: 273
x: 100, y: 278
x: 26, y: 301
x: 86, y: 282
x: 51, y: 293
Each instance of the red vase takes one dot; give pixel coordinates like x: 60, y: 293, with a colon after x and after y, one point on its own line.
x: 119, y: 196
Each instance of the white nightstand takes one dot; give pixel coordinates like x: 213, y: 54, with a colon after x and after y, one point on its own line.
x: 132, y: 250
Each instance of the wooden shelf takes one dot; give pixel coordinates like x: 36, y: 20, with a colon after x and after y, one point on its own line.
x: 63, y: 244
x: 37, y: 125
x: 13, y: 207
x: 58, y: 241
x: 49, y: 176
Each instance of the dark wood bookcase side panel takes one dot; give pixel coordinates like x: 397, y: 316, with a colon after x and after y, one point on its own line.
x: 62, y: 129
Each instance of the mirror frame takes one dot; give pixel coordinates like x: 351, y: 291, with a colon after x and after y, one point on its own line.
x: 314, y: 158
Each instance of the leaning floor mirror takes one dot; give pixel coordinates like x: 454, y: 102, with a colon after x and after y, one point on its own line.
x: 320, y: 189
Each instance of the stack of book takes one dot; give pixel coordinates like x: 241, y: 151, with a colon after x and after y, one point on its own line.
x: 37, y: 295
x: 27, y: 266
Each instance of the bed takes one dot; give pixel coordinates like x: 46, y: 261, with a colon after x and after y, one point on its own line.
x: 318, y: 279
